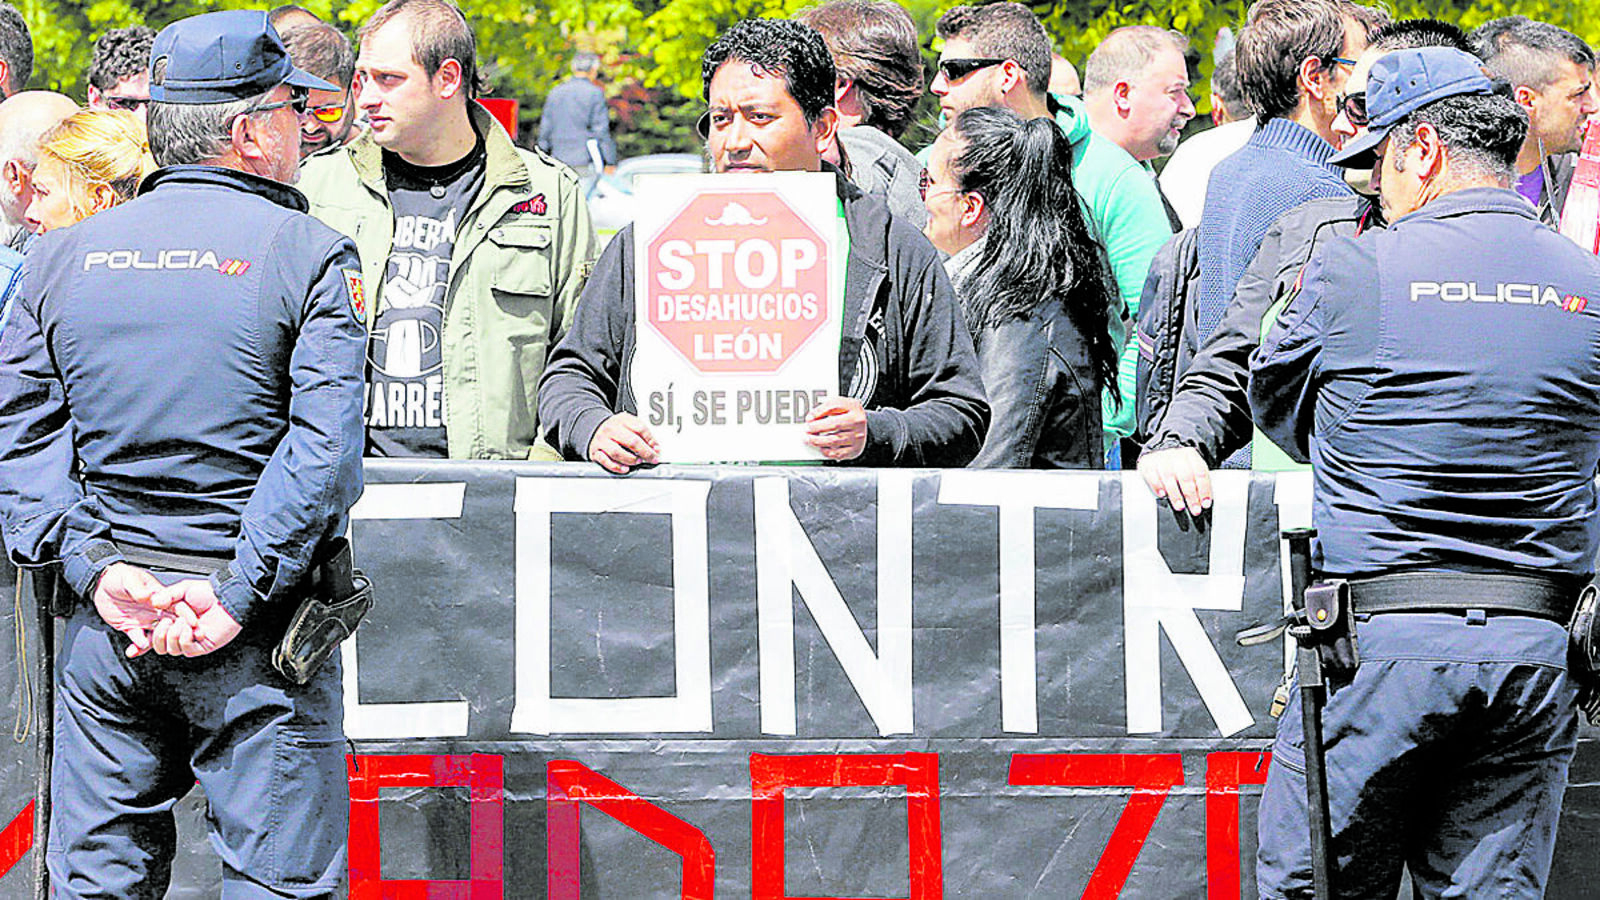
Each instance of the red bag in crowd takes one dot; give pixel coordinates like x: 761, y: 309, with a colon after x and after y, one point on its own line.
x: 1580, y: 216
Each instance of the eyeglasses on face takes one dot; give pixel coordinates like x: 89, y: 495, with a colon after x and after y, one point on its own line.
x: 126, y: 104
x: 1354, y: 106
x: 959, y: 68
x: 299, y: 100
x: 328, y: 115
x: 1341, y: 61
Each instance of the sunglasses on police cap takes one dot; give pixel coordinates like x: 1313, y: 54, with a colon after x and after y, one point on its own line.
x: 1354, y: 106
x: 957, y: 69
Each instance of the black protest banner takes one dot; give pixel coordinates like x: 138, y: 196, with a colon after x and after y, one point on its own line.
x: 808, y: 682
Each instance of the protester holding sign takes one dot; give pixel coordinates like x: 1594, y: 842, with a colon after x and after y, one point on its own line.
x: 910, y: 394
x: 1033, y: 283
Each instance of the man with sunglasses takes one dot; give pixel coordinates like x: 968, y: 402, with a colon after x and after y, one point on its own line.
x: 180, y: 432
x: 1293, y: 58
x: 1208, y: 417
x: 999, y: 55
x: 119, y: 72
x: 324, y: 51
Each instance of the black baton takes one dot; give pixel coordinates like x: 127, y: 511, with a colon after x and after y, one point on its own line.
x: 1313, y: 694
x: 43, y: 585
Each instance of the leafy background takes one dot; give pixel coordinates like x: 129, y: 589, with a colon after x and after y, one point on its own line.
x: 651, y: 48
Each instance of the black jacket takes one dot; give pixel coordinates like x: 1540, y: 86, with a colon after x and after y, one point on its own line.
x: 906, y: 352
x: 1210, y: 409
x: 1044, y: 399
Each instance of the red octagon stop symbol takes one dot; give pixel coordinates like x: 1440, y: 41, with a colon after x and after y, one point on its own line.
x: 737, y: 282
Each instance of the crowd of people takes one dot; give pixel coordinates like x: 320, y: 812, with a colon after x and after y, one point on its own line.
x: 1356, y: 269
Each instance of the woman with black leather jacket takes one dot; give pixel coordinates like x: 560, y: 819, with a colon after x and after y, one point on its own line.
x: 1032, y: 281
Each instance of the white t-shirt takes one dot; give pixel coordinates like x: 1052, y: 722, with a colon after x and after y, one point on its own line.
x: 1188, y: 172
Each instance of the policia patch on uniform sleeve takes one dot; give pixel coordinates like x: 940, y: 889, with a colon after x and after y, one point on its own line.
x: 358, y: 293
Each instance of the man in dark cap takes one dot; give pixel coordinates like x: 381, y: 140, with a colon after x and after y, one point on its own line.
x: 1447, y: 397
x: 180, y: 418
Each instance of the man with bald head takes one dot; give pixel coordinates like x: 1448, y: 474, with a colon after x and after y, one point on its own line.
x: 1136, y: 88
x: 24, y: 118
x: 1064, y: 81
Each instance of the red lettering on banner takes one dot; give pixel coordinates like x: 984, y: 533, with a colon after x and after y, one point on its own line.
x: 917, y: 772
x: 16, y: 840
x: 569, y: 785
x: 1225, y: 772
x: 481, y: 774
x: 1151, y: 776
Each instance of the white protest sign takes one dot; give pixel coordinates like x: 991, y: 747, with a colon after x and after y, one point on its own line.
x: 737, y: 313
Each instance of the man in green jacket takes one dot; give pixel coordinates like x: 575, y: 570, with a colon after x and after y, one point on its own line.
x: 476, y: 250
x: 999, y: 55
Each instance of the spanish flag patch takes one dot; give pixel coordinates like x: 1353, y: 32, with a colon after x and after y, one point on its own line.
x: 358, y: 294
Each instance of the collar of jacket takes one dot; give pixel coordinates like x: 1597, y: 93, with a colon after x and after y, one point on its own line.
x: 218, y: 176
x: 501, y: 165
x: 959, y: 264
x: 1472, y: 200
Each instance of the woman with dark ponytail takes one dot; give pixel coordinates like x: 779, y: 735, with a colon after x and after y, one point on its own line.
x: 1033, y: 282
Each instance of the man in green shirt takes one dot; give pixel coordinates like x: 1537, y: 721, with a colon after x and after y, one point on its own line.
x: 999, y: 55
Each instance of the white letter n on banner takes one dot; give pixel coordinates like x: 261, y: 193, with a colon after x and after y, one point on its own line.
x: 1017, y: 496
x: 1155, y: 599
x: 787, y: 561
x: 535, y: 711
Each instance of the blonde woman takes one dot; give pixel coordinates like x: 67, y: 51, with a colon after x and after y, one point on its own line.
x: 89, y: 163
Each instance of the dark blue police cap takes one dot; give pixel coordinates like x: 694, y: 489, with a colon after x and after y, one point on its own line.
x: 1405, y: 81
x: 221, y: 57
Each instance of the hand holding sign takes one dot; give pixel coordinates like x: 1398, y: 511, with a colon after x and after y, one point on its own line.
x: 622, y: 442
x: 838, y: 428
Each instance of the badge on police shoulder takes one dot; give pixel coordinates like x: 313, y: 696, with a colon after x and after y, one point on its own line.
x: 358, y: 294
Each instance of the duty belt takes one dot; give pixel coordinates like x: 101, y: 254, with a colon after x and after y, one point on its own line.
x: 1328, y: 600
x: 1524, y: 595
x: 168, y: 561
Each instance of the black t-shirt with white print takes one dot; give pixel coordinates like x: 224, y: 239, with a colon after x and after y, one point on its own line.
x: 405, y: 363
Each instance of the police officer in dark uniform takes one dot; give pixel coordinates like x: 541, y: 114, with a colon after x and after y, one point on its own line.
x: 1443, y: 378
x: 180, y: 384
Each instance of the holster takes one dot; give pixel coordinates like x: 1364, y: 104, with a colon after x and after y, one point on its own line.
x: 1583, y: 661
x: 338, y: 597
x: 1329, y: 626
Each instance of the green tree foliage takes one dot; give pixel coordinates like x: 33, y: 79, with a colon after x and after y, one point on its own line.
x: 651, y: 48
x: 1077, y: 26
